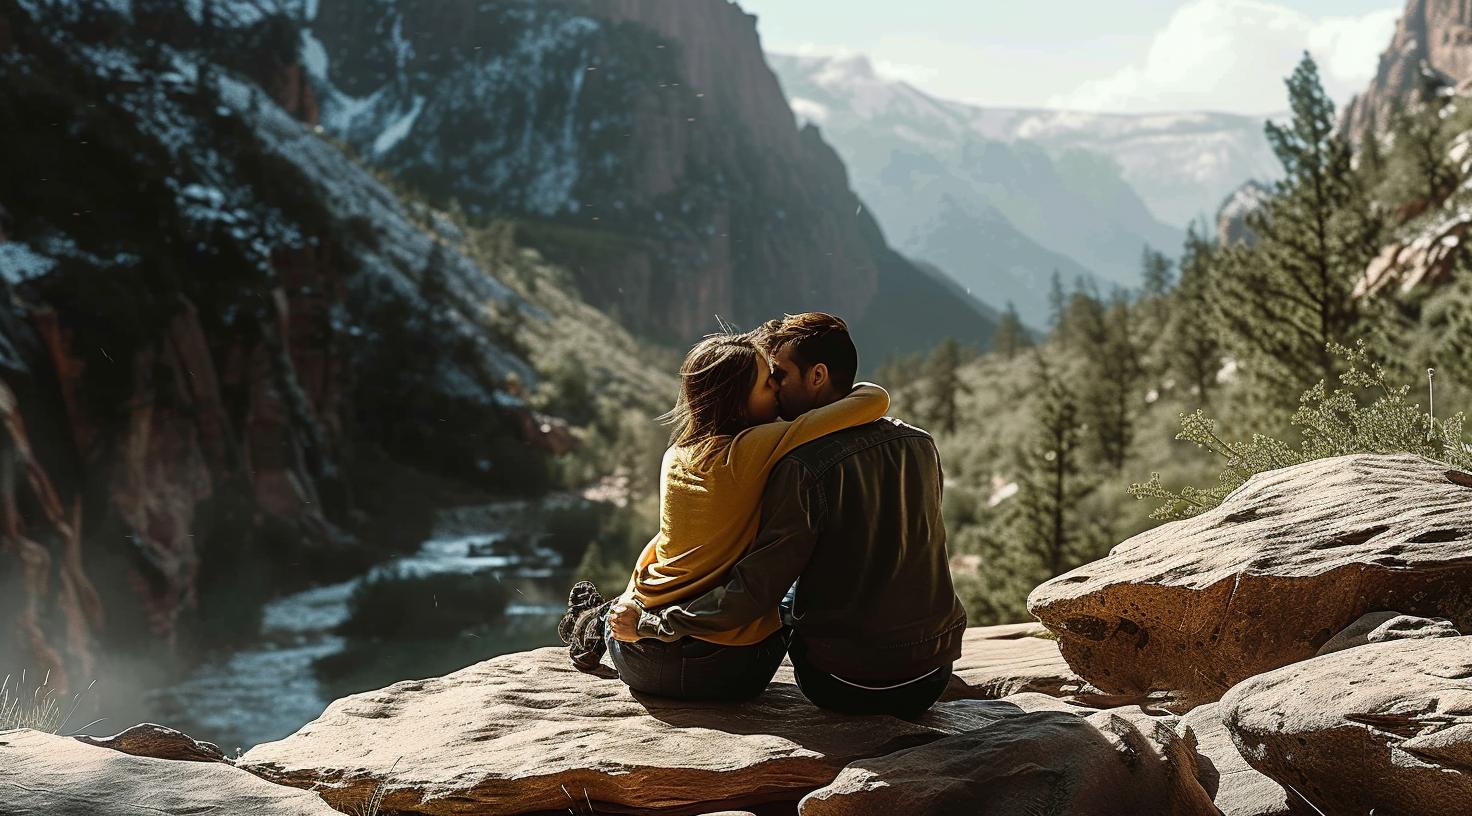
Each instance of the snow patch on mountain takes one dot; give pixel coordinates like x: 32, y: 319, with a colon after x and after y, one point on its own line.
x: 1181, y: 164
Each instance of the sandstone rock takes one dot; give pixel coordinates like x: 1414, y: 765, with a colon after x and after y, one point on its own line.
x: 1112, y: 762
x: 527, y: 732
x: 1378, y: 627
x: 1237, y: 788
x: 158, y: 742
x: 58, y: 776
x: 1291, y: 557
x: 997, y: 661
x: 1384, y: 726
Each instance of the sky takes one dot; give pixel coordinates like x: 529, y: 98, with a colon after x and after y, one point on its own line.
x: 1130, y: 56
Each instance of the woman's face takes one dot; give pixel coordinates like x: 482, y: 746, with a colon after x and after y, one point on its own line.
x: 761, y: 403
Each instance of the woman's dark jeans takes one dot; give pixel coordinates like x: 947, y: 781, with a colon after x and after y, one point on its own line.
x: 826, y: 691
x: 691, y: 669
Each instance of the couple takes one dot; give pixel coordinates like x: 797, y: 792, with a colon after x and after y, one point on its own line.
x: 794, y: 519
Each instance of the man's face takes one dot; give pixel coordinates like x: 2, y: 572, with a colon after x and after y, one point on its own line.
x: 795, y: 396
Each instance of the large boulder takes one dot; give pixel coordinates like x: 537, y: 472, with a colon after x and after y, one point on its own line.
x: 526, y: 732
x: 1290, y: 558
x: 1111, y: 762
x: 43, y: 773
x: 1237, y: 788
x: 1383, y: 727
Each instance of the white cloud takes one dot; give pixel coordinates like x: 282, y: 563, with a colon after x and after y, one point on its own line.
x: 1234, y: 54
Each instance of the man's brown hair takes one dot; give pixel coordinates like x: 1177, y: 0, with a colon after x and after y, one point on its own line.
x: 812, y: 338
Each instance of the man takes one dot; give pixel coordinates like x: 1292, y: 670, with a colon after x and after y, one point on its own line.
x: 854, y: 519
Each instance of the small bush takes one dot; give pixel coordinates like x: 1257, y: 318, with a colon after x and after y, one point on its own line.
x: 1334, y: 424
x: 404, y: 605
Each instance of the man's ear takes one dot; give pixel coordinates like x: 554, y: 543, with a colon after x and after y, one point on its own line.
x: 818, y: 376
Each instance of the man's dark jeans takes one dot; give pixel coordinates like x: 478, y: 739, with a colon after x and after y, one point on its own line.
x: 691, y: 669
x: 826, y: 691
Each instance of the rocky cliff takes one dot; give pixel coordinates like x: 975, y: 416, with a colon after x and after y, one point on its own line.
x: 643, y: 143
x: 230, y: 357
x: 1432, y: 36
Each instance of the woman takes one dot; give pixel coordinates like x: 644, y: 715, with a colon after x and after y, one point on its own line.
x: 727, y: 437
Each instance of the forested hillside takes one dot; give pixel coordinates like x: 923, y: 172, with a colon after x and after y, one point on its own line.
x: 1250, y: 350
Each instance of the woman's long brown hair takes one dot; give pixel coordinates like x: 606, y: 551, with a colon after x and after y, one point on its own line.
x: 715, y: 381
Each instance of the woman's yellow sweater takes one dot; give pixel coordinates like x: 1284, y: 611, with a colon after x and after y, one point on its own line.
x: 708, y: 514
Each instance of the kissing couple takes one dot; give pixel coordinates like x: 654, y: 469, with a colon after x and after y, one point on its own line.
x: 795, y: 518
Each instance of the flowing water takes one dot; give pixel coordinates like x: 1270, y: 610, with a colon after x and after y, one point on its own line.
x: 300, y: 663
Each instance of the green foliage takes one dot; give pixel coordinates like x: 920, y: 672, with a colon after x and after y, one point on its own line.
x: 1192, y: 349
x: 1011, y: 336
x: 943, y: 384
x: 1044, y: 529
x: 1281, y: 301
x: 1110, y: 387
x: 404, y: 605
x: 1333, y: 424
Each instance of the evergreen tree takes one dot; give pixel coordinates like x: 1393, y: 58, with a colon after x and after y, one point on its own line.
x: 944, y: 385
x: 1112, y: 379
x: 1155, y: 274
x: 1193, y: 351
x: 1418, y: 172
x: 1370, y: 160
x: 1047, y: 527
x: 1281, y: 302
x: 1011, y: 336
x: 1057, y: 303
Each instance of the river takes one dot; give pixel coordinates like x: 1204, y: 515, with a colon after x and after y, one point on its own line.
x: 300, y: 661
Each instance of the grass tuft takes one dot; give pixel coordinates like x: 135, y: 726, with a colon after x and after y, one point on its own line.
x: 42, y: 707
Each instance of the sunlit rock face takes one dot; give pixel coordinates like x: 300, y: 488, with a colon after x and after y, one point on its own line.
x: 643, y: 143
x: 1192, y: 607
x: 1436, y: 33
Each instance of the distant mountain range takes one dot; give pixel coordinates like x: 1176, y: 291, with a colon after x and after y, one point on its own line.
x: 1001, y: 198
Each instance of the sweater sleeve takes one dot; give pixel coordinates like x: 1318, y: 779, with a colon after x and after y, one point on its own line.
x: 755, y: 451
x: 756, y: 584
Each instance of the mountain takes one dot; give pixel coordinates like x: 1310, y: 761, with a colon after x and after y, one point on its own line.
x: 1094, y: 187
x: 1433, y: 36
x: 232, y: 359
x: 643, y: 144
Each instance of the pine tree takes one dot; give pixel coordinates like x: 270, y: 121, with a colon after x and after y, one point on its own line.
x: 1011, y: 336
x: 1155, y: 272
x: 1112, y: 378
x: 1193, y: 351
x: 1281, y: 302
x: 1156, y: 280
x: 1057, y: 304
x: 944, y: 385
x: 1045, y: 524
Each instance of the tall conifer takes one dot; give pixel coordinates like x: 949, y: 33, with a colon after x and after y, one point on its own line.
x: 1282, y: 301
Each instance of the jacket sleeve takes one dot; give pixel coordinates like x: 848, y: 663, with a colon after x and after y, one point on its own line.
x: 756, y: 584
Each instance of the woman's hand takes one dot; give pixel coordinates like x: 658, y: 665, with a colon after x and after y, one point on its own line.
x: 623, y: 619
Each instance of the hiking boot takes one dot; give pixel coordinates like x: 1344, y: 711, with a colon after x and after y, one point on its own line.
x: 583, y: 596
x: 587, y: 646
